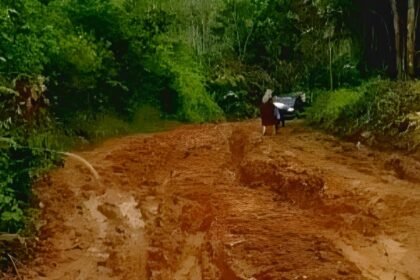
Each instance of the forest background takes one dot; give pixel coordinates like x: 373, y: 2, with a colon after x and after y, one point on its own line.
x: 77, y: 71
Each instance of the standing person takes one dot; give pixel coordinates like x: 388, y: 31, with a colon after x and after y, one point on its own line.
x: 279, y: 118
x: 278, y: 112
x: 268, y: 117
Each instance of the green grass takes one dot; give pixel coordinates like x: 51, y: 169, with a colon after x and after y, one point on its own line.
x: 386, y: 109
x: 146, y: 119
x: 335, y: 110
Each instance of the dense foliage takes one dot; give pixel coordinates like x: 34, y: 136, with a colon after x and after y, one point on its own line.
x: 82, y: 69
x: 24, y: 124
x: 375, y: 112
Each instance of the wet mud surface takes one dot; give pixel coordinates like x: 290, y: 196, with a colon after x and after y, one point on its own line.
x: 223, y: 202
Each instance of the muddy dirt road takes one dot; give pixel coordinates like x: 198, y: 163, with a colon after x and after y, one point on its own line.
x: 223, y: 202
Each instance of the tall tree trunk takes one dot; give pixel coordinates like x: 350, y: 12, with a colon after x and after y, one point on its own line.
x: 330, y: 49
x: 411, y: 17
x: 247, y: 40
x: 398, y: 53
x: 238, y: 37
x: 416, y: 21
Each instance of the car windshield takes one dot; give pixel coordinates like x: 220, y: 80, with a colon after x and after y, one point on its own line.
x: 286, y: 100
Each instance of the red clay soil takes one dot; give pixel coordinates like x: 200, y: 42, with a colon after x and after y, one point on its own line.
x: 223, y: 202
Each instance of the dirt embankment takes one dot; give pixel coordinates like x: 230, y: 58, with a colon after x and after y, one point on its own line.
x: 223, y: 202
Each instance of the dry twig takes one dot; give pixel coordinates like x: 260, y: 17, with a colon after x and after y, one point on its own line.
x: 14, y: 265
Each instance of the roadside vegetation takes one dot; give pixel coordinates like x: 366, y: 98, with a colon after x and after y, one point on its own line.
x: 379, y: 112
x: 73, y: 72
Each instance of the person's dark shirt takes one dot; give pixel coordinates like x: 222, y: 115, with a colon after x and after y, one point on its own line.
x: 267, y: 113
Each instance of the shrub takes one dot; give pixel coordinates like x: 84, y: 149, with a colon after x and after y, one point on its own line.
x: 236, y: 104
x: 101, y: 126
x: 384, y: 108
x: 173, y: 62
x: 24, y: 148
x: 336, y: 111
x: 238, y: 88
x: 149, y: 119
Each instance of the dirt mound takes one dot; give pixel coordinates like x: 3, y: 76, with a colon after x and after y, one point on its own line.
x: 290, y: 183
x: 404, y: 168
x: 278, y: 170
